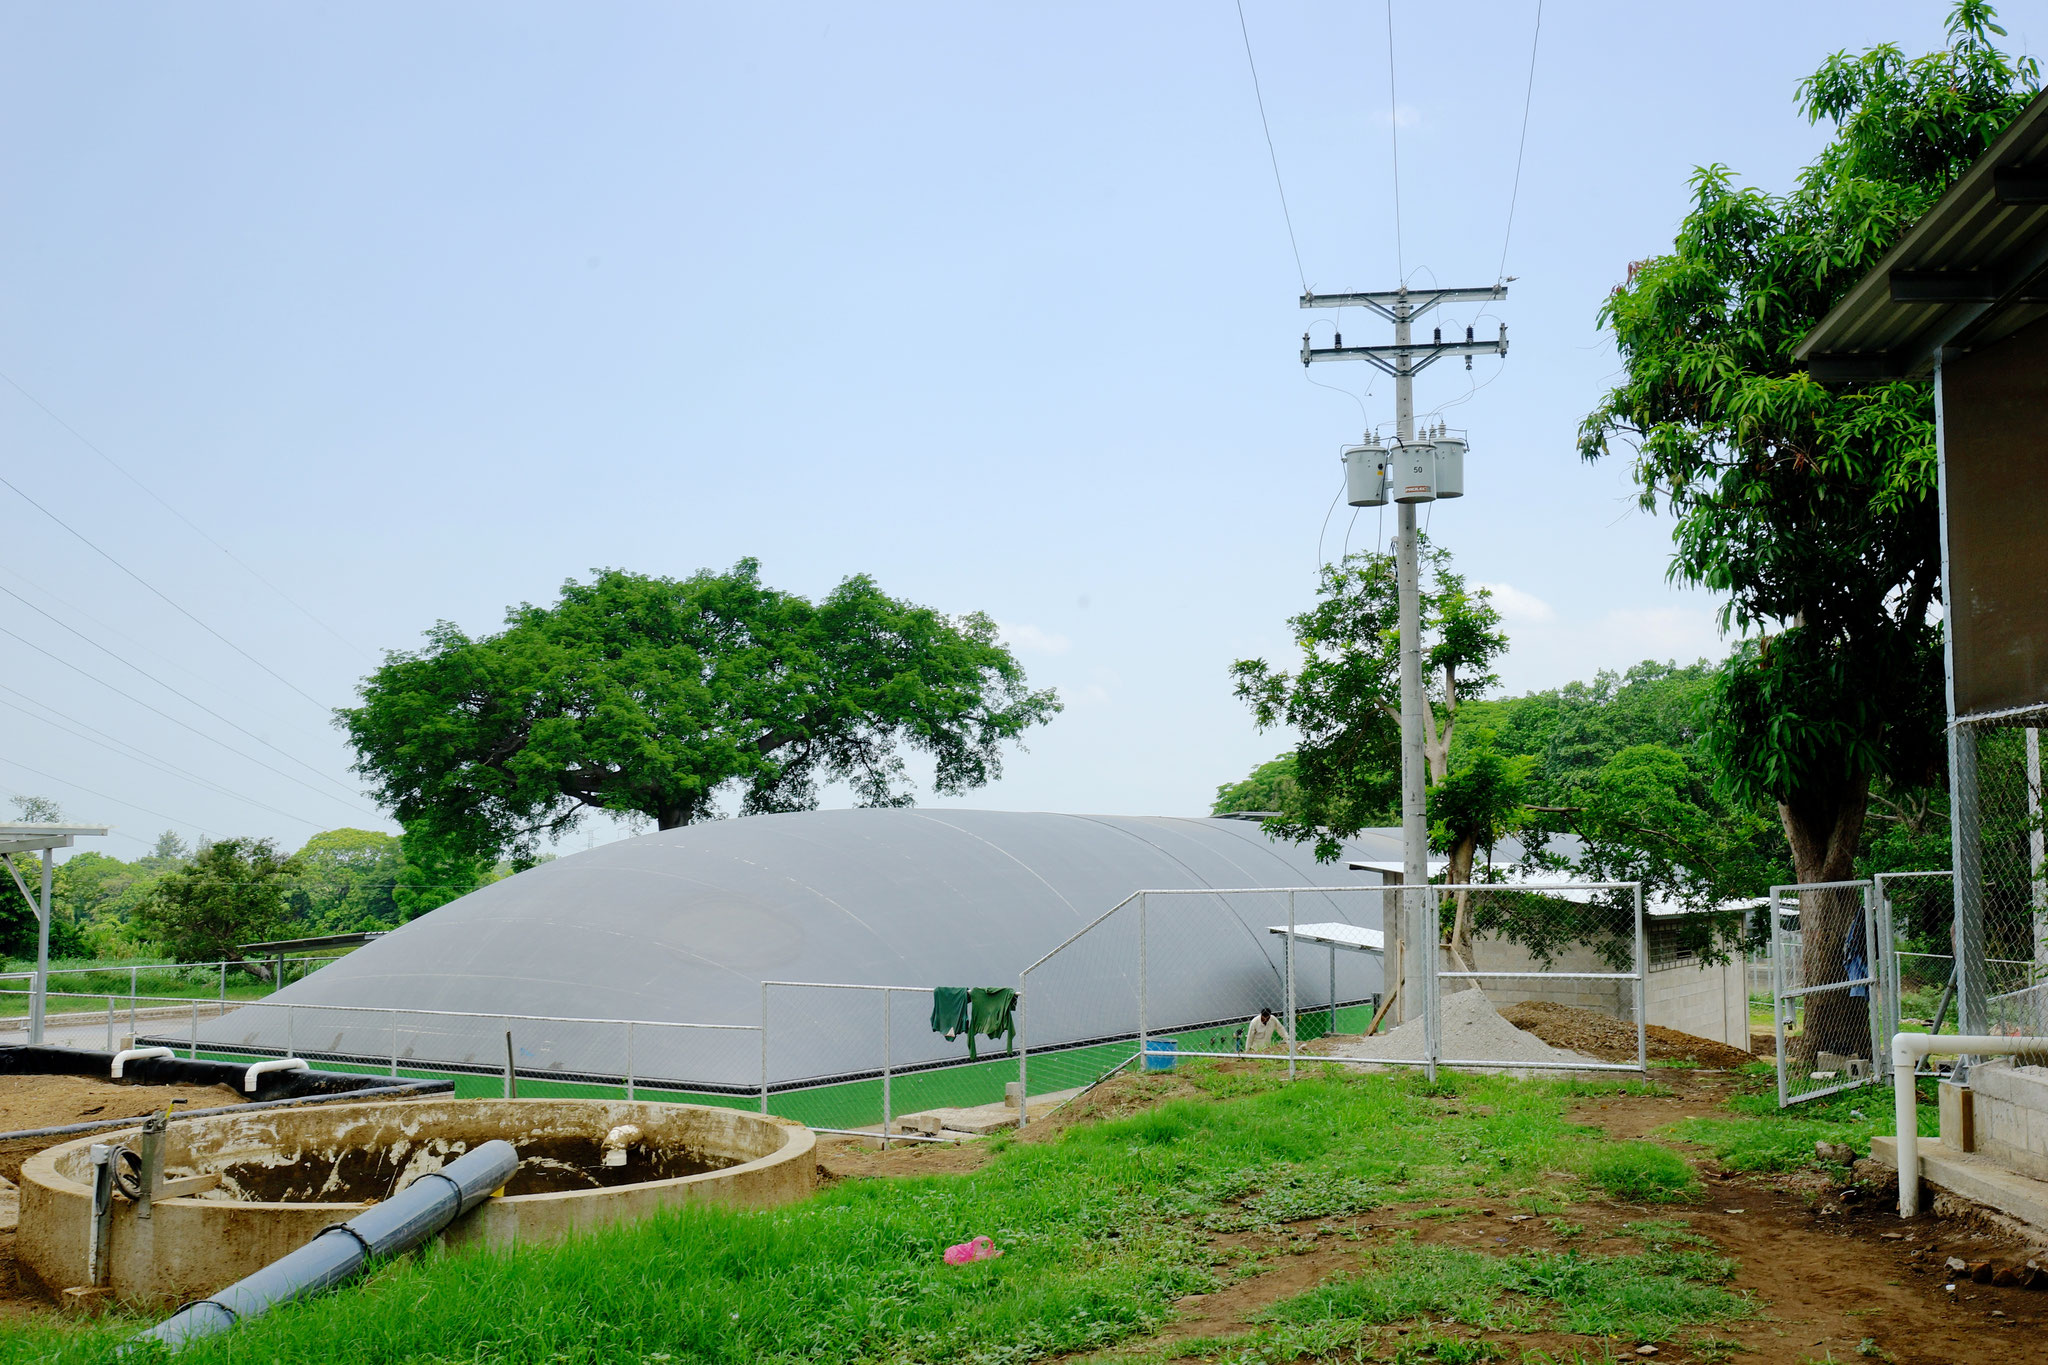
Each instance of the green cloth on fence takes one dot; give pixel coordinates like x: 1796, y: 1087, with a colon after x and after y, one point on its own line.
x: 950, y: 1013
x: 994, y: 1013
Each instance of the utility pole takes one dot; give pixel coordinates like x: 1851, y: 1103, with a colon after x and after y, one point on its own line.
x: 1403, y: 360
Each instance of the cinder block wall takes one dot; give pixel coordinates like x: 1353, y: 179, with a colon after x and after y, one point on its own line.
x: 2011, y: 1105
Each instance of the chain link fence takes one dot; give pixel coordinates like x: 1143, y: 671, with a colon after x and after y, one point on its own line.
x: 2001, y: 901
x: 536, y: 1055
x: 1828, y: 998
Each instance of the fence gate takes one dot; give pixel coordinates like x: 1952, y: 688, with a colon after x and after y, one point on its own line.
x: 1828, y: 988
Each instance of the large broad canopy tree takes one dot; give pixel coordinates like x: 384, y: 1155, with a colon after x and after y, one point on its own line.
x: 649, y: 697
x: 232, y: 892
x: 1812, y: 510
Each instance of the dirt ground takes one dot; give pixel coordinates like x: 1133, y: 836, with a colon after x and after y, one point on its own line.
x: 51, y: 1101
x: 1610, y: 1040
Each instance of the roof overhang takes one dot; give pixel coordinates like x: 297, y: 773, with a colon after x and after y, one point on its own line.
x: 18, y: 838
x: 1971, y: 272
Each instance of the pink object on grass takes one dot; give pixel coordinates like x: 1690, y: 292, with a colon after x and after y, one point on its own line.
x: 980, y: 1249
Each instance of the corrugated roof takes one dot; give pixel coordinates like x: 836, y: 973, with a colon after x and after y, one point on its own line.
x: 1969, y: 273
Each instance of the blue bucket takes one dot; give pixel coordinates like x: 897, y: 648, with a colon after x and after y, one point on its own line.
x: 1160, y: 1052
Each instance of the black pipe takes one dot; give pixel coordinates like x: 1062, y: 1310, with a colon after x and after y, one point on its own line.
x: 337, y: 1254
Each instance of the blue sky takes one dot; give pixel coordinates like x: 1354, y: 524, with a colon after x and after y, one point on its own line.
x: 419, y: 310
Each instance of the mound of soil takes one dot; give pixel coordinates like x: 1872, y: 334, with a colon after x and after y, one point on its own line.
x: 31, y: 1102
x: 1613, y: 1040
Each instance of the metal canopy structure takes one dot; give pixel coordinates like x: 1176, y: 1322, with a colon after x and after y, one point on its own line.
x: 1336, y: 935
x: 45, y: 839
x: 1972, y: 272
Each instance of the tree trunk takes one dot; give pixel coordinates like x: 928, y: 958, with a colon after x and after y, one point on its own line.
x: 1823, y: 834
x: 255, y: 969
x: 674, y: 814
x: 1460, y: 875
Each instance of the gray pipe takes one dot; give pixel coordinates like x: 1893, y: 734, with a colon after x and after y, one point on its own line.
x: 337, y: 1254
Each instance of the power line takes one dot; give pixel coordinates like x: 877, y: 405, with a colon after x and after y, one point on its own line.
x: 119, y: 634
x: 168, y: 688
x: 1528, y: 93
x: 1259, y: 95
x: 215, y: 739
x: 136, y: 754
x: 63, y: 782
x: 160, y: 593
x: 123, y: 472
x: 1394, y: 127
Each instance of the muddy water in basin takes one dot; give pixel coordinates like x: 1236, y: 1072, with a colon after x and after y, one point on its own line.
x: 553, y: 1164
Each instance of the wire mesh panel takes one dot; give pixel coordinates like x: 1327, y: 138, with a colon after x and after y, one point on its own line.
x: 1581, y: 946
x: 1826, y: 1008
x: 2001, y: 909
x: 1172, y: 973
x: 860, y: 1058
x: 1916, y: 961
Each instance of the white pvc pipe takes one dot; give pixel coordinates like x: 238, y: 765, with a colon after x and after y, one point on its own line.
x: 138, y: 1054
x: 265, y: 1068
x: 1907, y: 1050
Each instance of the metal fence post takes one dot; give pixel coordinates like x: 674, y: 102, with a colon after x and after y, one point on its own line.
x: 1642, y: 988
x: 764, y: 1047
x: 223, y: 987
x: 394, y: 1043
x: 1292, y: 1043
x: 131, y: 1001
x: 886, y: 994
x: 629, y: 1059
x: 1426, y: 931
x: 1778, y: 987
x: 192, y: 1050
x: 110, y: 1023
x: 1333, y: 990
x: 1023, y: 1060
x: 1142, y: 898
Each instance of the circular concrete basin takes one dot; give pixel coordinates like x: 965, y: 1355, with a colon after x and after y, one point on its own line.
x: 276, y: 1177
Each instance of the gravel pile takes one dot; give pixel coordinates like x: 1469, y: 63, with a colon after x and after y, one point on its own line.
x: 1472, y: 1031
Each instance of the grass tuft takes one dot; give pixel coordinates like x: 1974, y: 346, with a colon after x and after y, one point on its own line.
x: 1641, y: 1172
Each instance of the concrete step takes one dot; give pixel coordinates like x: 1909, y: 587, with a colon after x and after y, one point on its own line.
x: 1974, y: 1177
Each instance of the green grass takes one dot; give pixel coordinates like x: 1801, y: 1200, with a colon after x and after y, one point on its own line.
x: 1762, y: 1137
x: 1102, y: 1230
x: 1641, y: 1172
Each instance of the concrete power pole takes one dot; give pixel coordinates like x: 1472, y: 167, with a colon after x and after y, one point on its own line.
x: 1403, y: 360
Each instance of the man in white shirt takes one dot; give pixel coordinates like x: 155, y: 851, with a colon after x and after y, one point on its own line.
x: 1265, y: 1033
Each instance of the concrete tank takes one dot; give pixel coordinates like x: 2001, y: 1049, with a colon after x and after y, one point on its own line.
x: 282, y: 1175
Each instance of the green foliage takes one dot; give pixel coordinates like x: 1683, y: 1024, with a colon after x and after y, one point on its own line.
x: 230, y: 893
x: 1643, y: 1297
x: 1272, y: 786
x: 1811, y: 509
x: 346, y: 882
x: 1344, y: 697
x: 1641, y: 1172
x: 650, y: 696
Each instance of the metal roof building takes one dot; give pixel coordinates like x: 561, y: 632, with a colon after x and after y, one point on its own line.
x: 687, y: 924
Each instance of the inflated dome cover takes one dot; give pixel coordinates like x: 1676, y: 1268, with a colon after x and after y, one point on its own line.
x: 685, y: 925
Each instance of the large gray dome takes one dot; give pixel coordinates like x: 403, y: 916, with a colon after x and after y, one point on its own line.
x: 686, y: 924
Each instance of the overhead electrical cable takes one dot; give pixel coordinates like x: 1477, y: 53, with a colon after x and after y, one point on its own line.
x: 1521, y: 144
x: 122, y: 635
x: 213, y: 739
x: 1260, y: 96
x: 307, y: 612
x: 67, y: 782
x: 83, y: 539
x: 137, y: 754
x: 1394, y: 127
x: 233, y: 725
